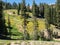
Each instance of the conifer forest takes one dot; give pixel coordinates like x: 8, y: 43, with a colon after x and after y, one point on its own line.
x: 23, y: 21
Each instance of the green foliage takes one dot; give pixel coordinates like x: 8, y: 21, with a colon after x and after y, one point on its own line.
x: 8, y: 6
x: 2, y: 21
x: 47, y: 16
x: 58, y: 12
x: 35, y: 32
x: 19, y: 8
x: 28, y: 8
x: 51, y: 14
x: 14, y: 6
x: 41, y: 10
x: 23, y: 13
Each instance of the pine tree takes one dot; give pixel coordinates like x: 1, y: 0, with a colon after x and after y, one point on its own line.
x: 9, y: 26
x: 58, y: 12
x: 28, y: 8
x: 23, y: 13
x: 2, y: 21
x: 19, y: 8
x: 35, y: 32
x: 48, y: 21
x: 47, y: 15
x: 53, y: 15
x: 8, y: 6
x: 14, y: 5
x: 41, y: 10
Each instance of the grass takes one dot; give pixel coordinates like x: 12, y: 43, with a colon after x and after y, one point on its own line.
x: 5, y: 42
x: 19, y: 41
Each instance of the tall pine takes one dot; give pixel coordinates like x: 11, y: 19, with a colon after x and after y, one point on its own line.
x: 48, y: 21
x: 19, y: 8
x: 47, y: 15
x: 28, y: 8
x: 35, y: 31
x: 2, y: 20
x: 23, y: 13
x: 58, y: 12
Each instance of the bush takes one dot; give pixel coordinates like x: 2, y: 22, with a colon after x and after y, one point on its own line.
x: 14, y: 13
x: 55, y: 34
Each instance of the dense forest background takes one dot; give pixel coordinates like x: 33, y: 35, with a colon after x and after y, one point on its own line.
x: 34, y: 16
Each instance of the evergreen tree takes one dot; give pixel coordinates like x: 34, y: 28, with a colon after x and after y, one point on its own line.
x: 23, y: 13
x: 47, y: 15
x: 19, y: 8
x: 2, y: 21
x: 51, y: 14
x: 14, y: 5
x: 9, y: 26
x: 28, y: 8
x: 58, y: 12
x: 48, y: 21
x: 41, y: 10
x: 4, y: 6
x: 55, y: 20
x: 37, y: 11
x: 35, y: 32
x: 8, y: 6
